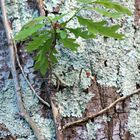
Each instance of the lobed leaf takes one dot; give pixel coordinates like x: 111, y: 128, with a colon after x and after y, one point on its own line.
x: 108, y: 4
x: 85, y: 1
x: 24, y: 34
x: 63, y: 34
x: 41, y: 62
x: 105, y: 12
x: 44, y: 56
x: 37, y: 42
x: 100, y: 28
x: 69, y: 43
x: 58, y: 17
x: 78, y: 32
x: 53, y: 58
x: 113, y: 5
x: 33, y: 22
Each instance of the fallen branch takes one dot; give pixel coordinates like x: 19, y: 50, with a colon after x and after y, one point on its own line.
x: 14, y: 74
x: 28, y: 82
x: 83, y: 120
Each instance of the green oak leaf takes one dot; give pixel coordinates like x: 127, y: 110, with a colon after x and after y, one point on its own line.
x: 27, y: 32
x: 78, y: 32
x: 69, y: 43
x: 101, y: 28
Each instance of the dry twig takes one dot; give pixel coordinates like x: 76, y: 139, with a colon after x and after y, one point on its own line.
x: 60, y: 79
x: 41, y: 7
x: 83, y: 120
x: 28, y: 82
x: 57, y: 120
x: 15, y: 76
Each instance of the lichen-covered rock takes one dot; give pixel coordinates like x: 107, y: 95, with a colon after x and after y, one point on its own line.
x: 115, y: 63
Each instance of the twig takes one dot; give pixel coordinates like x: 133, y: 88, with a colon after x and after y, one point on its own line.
x: 14, y: 74
x: 57, y: 120
x: 80, y: 76
x: 28, y: 82
x: 60, y: 79
x: 41, y: 7
x: 83, y: 120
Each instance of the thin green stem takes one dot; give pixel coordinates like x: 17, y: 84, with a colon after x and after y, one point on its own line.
x: 78, y: 10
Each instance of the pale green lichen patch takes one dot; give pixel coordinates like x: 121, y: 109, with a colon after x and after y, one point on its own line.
x: 76, y: 76
x: 29, y: 98
x: 92, y: 129
x: 114, y: 62
x: 20, y: 11
x: 46, y: 126
x: 72, y: 103
x: 133, y: 124
x: 134, y: 117
x: 9, y: 114
x: 90, y: 132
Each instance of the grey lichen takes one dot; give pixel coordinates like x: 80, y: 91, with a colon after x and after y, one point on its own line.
x: 46, y: 126
x: 9, y: 113
x: 90, y: 133
x: 31, y: 104
x: 20, y: 11
x: 116, y: 63
x: 121, y: 69
x: 72, y: 103
x: 10, y: 116
x: 91, y: 130
x: 74, y: 75
x: 29, y: 98
x: 134, y: 117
